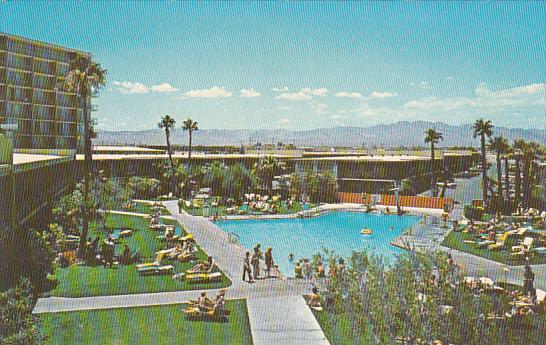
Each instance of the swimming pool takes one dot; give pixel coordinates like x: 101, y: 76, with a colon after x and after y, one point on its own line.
x: 337, y: 231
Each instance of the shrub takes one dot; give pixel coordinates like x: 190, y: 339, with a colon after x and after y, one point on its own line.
x: 17, y: 324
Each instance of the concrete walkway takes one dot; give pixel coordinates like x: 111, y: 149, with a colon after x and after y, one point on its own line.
x: 284, y: 320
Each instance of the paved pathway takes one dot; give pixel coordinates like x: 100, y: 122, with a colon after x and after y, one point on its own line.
x: 284, y: 320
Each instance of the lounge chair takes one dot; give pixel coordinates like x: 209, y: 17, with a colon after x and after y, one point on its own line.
x: 203, y: 277
x: 524, y: 247
x: 155, y: 270
x: 193, y: 312
x: 500, y: 242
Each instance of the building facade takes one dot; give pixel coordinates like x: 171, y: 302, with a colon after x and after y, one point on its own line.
x: 41, y: 129
x: 49, y: 118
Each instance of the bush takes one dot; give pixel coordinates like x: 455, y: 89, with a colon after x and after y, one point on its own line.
x: 25, y: 254
x: 17, y: 324
x: 144, y: 188
x: 474, y: 213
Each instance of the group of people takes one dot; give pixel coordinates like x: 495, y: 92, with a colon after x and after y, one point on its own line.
x: 206, y: 305
x: 184, y: 250
x: 251, y: 264
x: 304, y: 268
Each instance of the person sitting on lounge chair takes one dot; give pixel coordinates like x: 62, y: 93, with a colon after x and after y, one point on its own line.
x: 314, y: 299
x: 204, y: 303
x: 176, y: 252
x: 220, y: 301
x: 202, y: 267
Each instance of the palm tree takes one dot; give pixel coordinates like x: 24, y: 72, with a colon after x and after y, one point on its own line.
x: 483, y: 129
x: 433, y: 137
x: 167, y: 123
x: 85, y: 78
x: 266, y: 169
x: 190, y: 126
x: 500, y: 146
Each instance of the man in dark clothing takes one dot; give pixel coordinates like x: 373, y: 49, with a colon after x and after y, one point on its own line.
x: 528, y: 282
x: 246, y: 268
x: 268, y: 261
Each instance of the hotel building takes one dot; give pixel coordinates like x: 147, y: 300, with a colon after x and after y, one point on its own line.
x: 41, y: 127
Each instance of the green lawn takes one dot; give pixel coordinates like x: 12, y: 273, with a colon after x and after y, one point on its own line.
x: 456, y: 240
x: 145, y: 325
x: 341, y: 331
x: 82, y: 281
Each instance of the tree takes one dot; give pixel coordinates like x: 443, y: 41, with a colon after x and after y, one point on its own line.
x: 433, y: 137
x: 237, y: 181
x: 214, y: 177
x: 500, y: 145
x: 17, y: 323
x: 144, y: 188
x: 107, y: 194
x: 190, y: 126
x: 85, y: 77
x: 25, y: 253
x: 266, y: 169
x: 483, y: 129
x: 167, y: 123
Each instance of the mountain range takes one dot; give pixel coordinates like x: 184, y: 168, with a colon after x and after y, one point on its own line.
x: 407, y: 134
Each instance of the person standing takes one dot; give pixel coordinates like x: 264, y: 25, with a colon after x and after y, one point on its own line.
x: 255, y: 261
x: 246, y: 268
x: 529, y: 282
x: 268, y: 261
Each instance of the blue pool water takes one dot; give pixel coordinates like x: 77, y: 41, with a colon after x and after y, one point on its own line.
x: 337, y: 231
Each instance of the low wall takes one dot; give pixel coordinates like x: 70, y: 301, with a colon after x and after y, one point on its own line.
x: 390, y: 200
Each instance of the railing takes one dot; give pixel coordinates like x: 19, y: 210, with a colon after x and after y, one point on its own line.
x: 234, y: 238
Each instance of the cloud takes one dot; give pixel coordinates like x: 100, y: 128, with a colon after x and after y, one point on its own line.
x: 321, y: 92
x: 281, y: 89
x: 319, y: 108
x: 526, y: 90
x: 381, y: 95
x: 305, y: 94
x: 296, y: 96
x: 344, y: 94
x: 284, y: 121
x: 213, y: 92
x: 249, y: 93
x: 163, y: 88
x: 127, y: 87
x: 485, y: 99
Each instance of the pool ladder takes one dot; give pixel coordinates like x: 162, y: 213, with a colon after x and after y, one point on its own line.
x: 234, y: 238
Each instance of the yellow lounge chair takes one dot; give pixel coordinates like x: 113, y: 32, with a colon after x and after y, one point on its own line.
x: 500, y: 242
x: 203, y: 277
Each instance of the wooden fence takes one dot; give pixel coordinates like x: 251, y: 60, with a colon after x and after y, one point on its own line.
x: 390, y: 200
